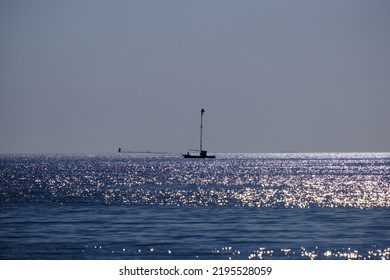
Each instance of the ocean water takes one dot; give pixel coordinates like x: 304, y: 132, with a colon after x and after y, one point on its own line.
x: 161, y: 206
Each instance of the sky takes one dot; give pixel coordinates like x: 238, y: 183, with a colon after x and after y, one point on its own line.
x: 273, y: 76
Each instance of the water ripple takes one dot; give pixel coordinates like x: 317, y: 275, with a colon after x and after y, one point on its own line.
x: 253, y: 180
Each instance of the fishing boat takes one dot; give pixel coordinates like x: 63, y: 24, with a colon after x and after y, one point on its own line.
x: 202, y: 153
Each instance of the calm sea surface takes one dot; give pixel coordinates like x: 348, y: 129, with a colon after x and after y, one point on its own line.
x: 238, y: 206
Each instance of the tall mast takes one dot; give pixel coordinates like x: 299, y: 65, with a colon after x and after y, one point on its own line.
x: 201, y: 128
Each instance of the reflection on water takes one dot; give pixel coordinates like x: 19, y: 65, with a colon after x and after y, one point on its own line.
x: 245, y: 206
x: 273, y: 180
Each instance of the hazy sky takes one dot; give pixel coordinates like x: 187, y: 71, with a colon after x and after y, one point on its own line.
x: 90, y: 76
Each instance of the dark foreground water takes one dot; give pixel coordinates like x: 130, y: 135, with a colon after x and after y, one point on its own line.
x: 238, y: 206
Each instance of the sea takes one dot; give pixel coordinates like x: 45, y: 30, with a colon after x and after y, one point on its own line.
x: 281, y: 206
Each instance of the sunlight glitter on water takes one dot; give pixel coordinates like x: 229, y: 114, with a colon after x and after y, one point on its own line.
x: 261, y: 253
x: 155, y: 206
x: 255, y: 180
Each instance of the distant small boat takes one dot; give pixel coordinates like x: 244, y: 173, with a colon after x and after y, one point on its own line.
x: 202, y: 153
x: 138, y: 152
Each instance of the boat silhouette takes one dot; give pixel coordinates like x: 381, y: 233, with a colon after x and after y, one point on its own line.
x: 202, y: 153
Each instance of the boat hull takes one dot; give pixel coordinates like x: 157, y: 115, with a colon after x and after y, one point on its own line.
x: 196, y: 156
